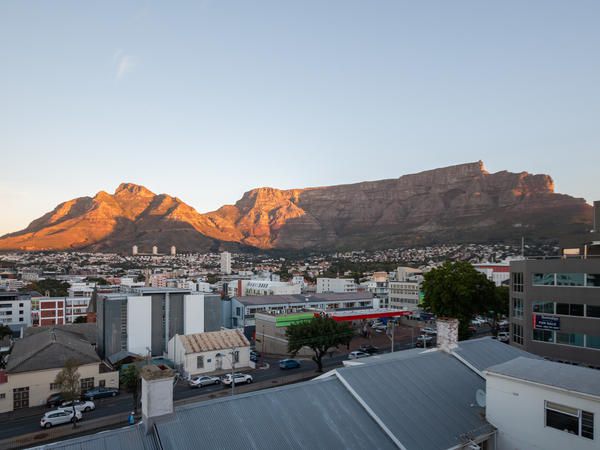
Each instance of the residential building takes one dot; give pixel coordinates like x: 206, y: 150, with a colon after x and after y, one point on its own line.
x: 539, y: 404
x: 59, y: 310
x: 267, y: 287
x: 379, y: 287
x: 82, y: 289
x: 15, y: 311
x: 35, y: 360
x: 555, y: 308
x: 498, y: 273
x: 335, y: 285
x: 146, y: 319
x: 208, y: 352
x: 404, y: 294
x: 226, y: 263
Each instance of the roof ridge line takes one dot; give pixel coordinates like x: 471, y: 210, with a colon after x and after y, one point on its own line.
x: 468, y: 364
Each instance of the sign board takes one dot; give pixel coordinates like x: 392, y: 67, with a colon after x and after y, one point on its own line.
x: 546, y: 322
x: 285, y: 320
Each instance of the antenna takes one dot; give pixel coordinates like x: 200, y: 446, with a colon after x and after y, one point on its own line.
x: 480, y: 397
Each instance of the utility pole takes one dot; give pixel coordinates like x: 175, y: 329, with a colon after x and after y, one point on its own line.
x: 232, y: 370
x: 393, y: 327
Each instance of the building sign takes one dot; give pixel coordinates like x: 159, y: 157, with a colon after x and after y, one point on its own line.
x: 546, y: 322
x: 285, y: 320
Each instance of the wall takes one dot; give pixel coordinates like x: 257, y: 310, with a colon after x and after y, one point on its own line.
x: 193, y: 307
x: 39, y: 384
x: 212, y: 312
x: 517, y: 410
x: 139, y: 333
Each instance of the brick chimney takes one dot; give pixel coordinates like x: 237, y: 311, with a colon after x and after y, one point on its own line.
x: 447, y: 333
x: 157, y: 394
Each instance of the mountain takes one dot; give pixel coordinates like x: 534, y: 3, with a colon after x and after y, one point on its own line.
x: 462, y: 203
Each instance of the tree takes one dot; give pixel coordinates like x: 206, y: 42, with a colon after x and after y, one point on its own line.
x: 457, y: 290
x: 68, y: 383
x: 132, y: 382
x: 499, y: 306
x: 320, y: 334
x: 5, y: 331
x: 55, y: 288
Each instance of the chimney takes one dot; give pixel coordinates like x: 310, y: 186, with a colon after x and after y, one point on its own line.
x: 157, y: 394
x: 447, y: 333
x: 596, y: 228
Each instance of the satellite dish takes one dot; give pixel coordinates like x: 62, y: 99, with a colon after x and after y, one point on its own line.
x: 480, y: 397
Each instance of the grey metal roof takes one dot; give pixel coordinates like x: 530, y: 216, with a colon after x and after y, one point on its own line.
x: 564, y: 376
x: 128, y: 438
x: 86, y: 331
x: 254, y: 300
x: 486, y: 352
x: 318, y: 414
x: 49, y: 349
x: 427, y: 401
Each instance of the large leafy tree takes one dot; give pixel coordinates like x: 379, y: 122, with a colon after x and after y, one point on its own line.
x: 457, y: 290
x: 54, y: 288
x: 131, y: 381
x: 68, y: 383
x: 5, y: 331
x: 320, y: 334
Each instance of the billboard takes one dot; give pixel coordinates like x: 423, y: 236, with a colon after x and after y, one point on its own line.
x: 546, y: 322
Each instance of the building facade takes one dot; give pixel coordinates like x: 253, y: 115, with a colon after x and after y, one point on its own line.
x: 335, y: 285
x: 15, y: 311
x: 226, y: 263
x: 404, y: 294
x: 60, y: 310
x: 555, y: 308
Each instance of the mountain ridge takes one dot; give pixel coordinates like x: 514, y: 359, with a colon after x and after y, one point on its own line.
x: 457, y: 203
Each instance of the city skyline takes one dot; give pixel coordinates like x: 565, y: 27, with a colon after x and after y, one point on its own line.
x: 209, y: 100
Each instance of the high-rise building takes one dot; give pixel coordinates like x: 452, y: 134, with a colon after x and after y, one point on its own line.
x: 134, y: 250
x: 226, y: 263
x: 154, y: 250
x: 173, y: 250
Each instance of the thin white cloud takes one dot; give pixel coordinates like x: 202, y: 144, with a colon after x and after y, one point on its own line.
x: 124, y: 64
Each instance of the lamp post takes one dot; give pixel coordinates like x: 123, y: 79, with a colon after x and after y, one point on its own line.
x: 232, y: 353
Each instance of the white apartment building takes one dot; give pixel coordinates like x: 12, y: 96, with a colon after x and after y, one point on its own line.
x: 266, y: 287
x: 498, y: 273
x: 335, y: 285
x: 15, y: 310
x: 82, y: 289
x: 226, y: 263
x: 379, y: 287
x: 404, y: 294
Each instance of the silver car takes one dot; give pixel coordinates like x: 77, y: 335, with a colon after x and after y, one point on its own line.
x: 58, y: 417
x: 200, y: 381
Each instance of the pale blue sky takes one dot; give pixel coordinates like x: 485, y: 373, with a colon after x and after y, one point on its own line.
x: 205, y: 100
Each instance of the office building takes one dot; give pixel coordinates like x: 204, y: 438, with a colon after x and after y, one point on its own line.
x: 404, y: 294
x: 60, y: 310
x: 335, y: 285
x: 226, y: 263
x: 15, y: 311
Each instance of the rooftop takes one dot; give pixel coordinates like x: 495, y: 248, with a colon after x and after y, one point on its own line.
x: 296, y: 299
x: 213, y: 340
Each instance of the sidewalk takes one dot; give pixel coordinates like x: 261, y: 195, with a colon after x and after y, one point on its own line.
x: 118, y: 420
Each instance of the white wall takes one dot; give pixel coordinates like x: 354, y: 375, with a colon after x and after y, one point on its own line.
x: 517, y: 409
x: 193, y: 314
x: 139, y: 319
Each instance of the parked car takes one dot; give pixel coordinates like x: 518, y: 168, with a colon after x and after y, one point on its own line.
x: 54, y: 400
x: 379, y: 326
x: 429, y: 330
x: 204, y: 380
x: 358, y: 354
x: 238, y: 378
x: 289, y: 364
x: 370, y: 349
x: 58, y: 417
x: 503, y: 336
x: 254, y: 355
x: 425, y: 341
x: 100, y: 392
x: 80, y: 405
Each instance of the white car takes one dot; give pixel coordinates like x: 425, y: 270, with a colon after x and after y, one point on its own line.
x: 238, y: 378
x: 58, y: 417
x: 358, y: 354
x: 429, y: 330
x: 80, y: 405
x: 503, y: 336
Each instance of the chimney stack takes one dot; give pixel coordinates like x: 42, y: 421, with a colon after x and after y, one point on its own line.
x: 596, y: 228
x: 157, y: 394
x: 447, y: 333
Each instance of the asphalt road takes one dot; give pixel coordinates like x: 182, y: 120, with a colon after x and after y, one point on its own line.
x: 13, y: 425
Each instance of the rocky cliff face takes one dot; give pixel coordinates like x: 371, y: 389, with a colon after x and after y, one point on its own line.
x: 461, y: 203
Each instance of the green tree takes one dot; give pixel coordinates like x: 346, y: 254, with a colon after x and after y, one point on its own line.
x: 457, y: 290
x: 132, y: 382
x: 5, y: 331
x: 320, y: 334
x: 499, y: 306
x: 68, y: 383
x: 54, y: 288
x: 98, y: 280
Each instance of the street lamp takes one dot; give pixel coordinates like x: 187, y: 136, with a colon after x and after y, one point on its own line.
x: 232, y: 353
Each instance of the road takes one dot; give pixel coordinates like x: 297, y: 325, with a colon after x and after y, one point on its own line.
x: 27, y: 421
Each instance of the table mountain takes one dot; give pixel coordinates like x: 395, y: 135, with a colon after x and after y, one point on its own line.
x: 462, y: 203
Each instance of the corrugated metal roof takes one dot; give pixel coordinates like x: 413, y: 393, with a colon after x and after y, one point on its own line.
x: 427, y: 401
x: 313, y: 415
x: 128, y: 438
x: 254, y: 300
x: 486, y: 352
x: 213, y: 340
x: 564, y: 376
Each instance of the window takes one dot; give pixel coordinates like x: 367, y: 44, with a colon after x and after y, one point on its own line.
x: 87, y: 383
x: 592, y: 311
x: 543, y: 279
x: 543, y: 307
x: 54, y: 386
x: 200, y: 362
x: 21, y: 398
x: 2, y: 396
x: 575, y: 339
x: 516, y: 280
x: 569, y: 309
x: 102, y: 383
x: 517, y: 304
x: 593, y: 280
x: 571, y: 420
x: 543, y: 335
x: 238, y: 311
x: 236, y: 356
x: 517, y: 334
x: 570, y: 279
x: 592, y: 341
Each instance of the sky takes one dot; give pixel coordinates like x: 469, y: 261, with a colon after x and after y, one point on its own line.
x: 205, y: 100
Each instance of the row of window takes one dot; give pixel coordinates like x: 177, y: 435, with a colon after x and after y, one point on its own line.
x: 200, y: 359
x: 571, y: 420
x: 517, y: 333
x: 567, y: 279
x: 566, y: 309
x: 574, y: 339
